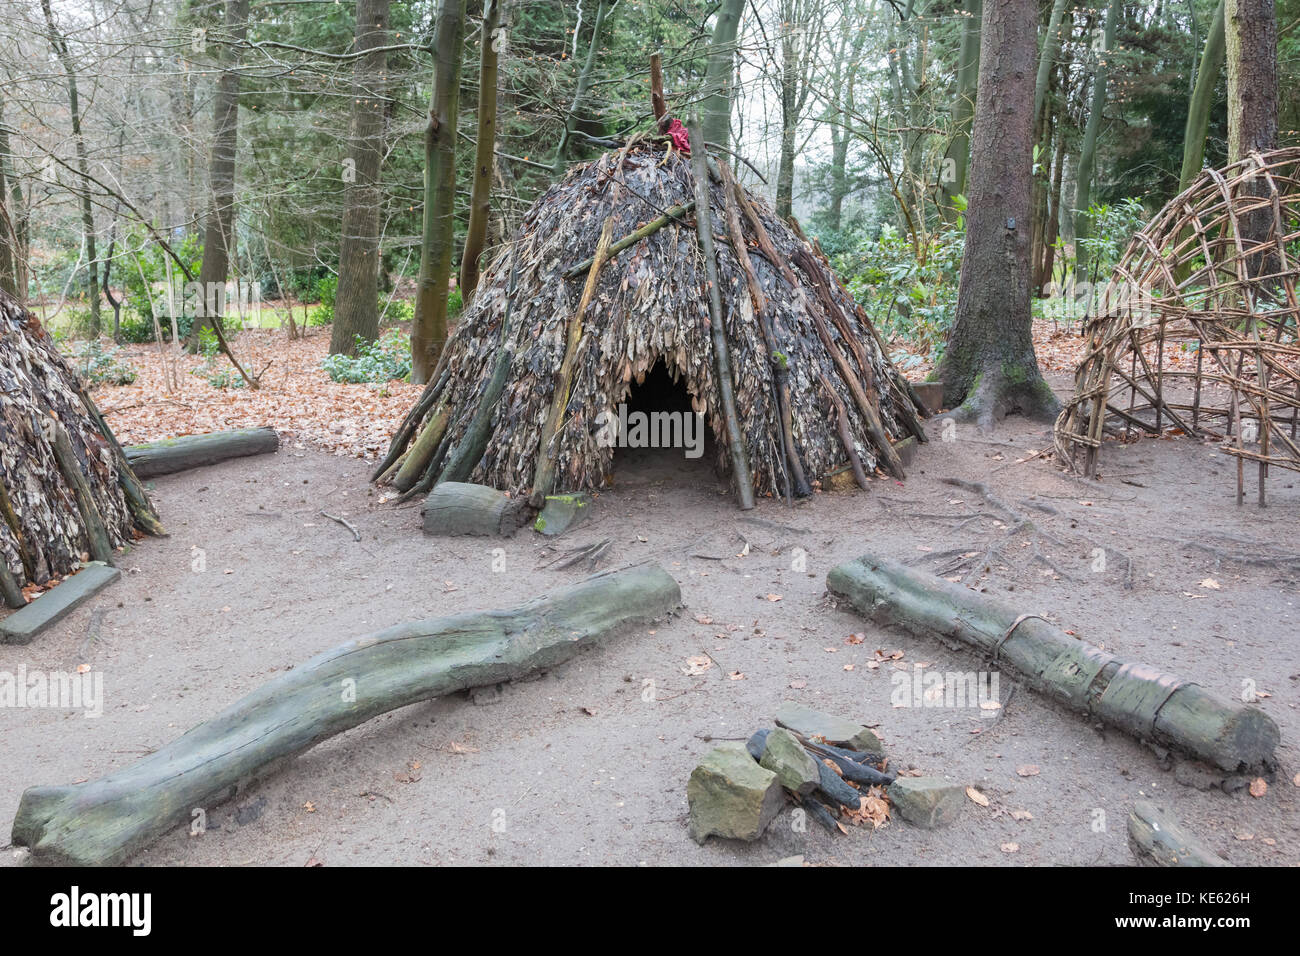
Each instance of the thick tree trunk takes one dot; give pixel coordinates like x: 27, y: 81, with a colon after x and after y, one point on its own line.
x: 1198, y: 109
x: 716, y: 94
x: 106, y: 820
x: 480, y: 202
x: 989, y: 367
x: 1251, y: 33
x: 1140, y: 700
x: 218, y: 234
x: 1088, y: 152
x: 956, y: 166
x: 356, y: 306
x: 429, y: 330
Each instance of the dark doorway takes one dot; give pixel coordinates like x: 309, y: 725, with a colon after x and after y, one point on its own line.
x: 661, y: 438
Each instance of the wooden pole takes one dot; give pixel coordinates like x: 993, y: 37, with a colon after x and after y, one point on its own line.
x: 721, y: 351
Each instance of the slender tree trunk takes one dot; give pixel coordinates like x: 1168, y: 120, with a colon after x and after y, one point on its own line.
x: 1043, y: 112
x: 715, y: 101
x: 956, y: 166
x: 480, y: 201
x: 10, y: 253
x: 429, y: 330
x: 218, y: 234
x: 60, y: 44
x: 1088, y: 153
x: 790, y: 56
x: 1198, y: 109
x: 1053, y: 230
x: 989, y: 367
x: 1051, y: 50
x: 584, y: 84
x: 356, y: 310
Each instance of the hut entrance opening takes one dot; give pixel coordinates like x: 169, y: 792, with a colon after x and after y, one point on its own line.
x: 660, y: 435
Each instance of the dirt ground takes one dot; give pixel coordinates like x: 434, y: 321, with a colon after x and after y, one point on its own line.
x: 576, y: 767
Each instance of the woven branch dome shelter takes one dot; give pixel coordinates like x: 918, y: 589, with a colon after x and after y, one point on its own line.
x: 796, y: 340
x: 1196, y: 331
x: 66, y: 490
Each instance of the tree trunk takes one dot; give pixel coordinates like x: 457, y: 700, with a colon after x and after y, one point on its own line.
x: 989, y: 367
x: 791, y: 54
x: 716, y: 94
x: 356, y: 307
x: 1088, y: 153
x: 1251, y: 34
x: 218, y: 234
x: 956, y: 164
x: 106, y: 820
x: 580, y: 91
x: 60, y: 44
x: 1140, y: 700
x: 480, y: 202
x: 1198, y: 109
x: 429, y: 330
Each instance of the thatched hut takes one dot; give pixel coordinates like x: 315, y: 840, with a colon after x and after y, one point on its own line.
x: 66, y: 490
x: 551, y: 345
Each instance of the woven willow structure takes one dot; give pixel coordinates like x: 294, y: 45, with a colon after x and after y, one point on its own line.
x: 1196, y: 331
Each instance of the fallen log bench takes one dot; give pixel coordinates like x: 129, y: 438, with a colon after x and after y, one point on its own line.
x: 1140, y: 700
x: 106, y: 820
x: 171, y: 455
x: 23, y: 626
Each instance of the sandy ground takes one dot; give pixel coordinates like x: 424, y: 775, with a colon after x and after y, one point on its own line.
x: 575, y: 767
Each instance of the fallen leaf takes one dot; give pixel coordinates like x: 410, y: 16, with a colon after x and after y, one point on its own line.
x: 1210, y: 583
x: 800, y: 684
x: 1010, y: 847
x: 1022, y: 815
x: 697, y: 664
x: 1027, y: 770
x: 977, y: 797
x: 774, y: 597
x: 309, y: 807
x: 855, y: 639
x: 735, y: 675
x: 1258, y: 787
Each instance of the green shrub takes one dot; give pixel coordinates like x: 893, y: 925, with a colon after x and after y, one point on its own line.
x: 396, y: 311
x: 100, y: 365
x: 380, y: 361
x: 906, y: 298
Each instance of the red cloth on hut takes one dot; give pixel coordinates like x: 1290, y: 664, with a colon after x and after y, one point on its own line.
x: 680, y: 137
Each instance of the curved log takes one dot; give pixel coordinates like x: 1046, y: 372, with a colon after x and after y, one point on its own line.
x: 106, y: 820
x: 1140, y: 700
